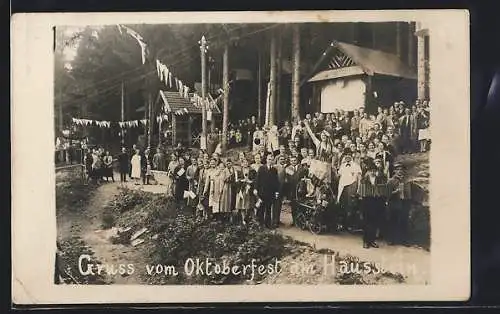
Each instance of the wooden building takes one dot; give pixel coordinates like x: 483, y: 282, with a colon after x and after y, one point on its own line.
x: 184, y: 117
x: 351, y: 76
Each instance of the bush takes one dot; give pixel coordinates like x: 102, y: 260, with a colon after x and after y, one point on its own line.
x: 71, y: 192
x: 70, y: 251
x: 420, y: 229
x: 186, y: 237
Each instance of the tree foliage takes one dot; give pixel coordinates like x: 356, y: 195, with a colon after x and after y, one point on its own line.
x: 91, y: 87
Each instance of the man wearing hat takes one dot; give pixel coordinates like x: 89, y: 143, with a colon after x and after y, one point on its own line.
x: 399, y: 201
x: 371, y: 191
x: 408, y: 131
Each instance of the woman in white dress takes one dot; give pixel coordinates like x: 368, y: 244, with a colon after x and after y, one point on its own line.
x: 214, y: 185
x: 136, y: 165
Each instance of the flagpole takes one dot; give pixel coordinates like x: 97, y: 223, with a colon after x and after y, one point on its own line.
x: 203, y: 139
x: 123, y: 114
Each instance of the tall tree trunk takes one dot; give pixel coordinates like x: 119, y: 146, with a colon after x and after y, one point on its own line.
x: 259, y: 89
x: 296, y: 73
x: 279, y: 65
x: 225, y: 84
x: 272, y: 80
x: 421, y: 66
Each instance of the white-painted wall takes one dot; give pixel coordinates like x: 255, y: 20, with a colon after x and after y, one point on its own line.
x: 343, y: 94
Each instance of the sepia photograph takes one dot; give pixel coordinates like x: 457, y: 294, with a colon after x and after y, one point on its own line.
x: 226, y: 153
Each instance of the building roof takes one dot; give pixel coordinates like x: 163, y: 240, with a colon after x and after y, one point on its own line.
x: 174, y: 102
x: 370, y: 61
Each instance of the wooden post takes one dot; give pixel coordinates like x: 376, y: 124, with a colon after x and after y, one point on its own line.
x: 272, y: 80
x: 160, y: 121
x: 421, y: 65
x: 189, y: 129
x: 259, y: 89
x: 203, y: 49
x: 296, y: 73
x: 225, y: 84
x: 174, y: 129
x: 411, y: 44
x: 123, y: 115
x: 398, y: 39
x: 146, y: 106
x: 149, y: 121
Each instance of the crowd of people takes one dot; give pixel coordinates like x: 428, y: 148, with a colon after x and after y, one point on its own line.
x: 369, y: 188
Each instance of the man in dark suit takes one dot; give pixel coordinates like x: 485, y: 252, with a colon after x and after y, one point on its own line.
x: 267, y: 190
x: 293, y: 173
x: 407, y: 131
x: 280, y: 169
x: 123, y: 161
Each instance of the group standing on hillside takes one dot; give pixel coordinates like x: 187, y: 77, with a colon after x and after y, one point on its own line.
x: 370, y: 189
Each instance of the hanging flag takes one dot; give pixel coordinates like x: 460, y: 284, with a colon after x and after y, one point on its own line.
x: 140, y: 41
x: 158, y: 67
x: 209, y: 115
x: 165, y: 74
x: 170, y: 79
x: 160, y: 72
x: 186, y: 92
x: 181, y: 86
x: 176, y: 83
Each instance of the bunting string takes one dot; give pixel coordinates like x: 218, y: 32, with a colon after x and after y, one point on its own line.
x: 107, y: 124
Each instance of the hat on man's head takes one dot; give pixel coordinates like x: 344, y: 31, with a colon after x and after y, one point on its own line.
x: 370, y: 165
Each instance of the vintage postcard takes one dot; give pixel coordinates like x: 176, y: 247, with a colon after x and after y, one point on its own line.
x: 240, y: 157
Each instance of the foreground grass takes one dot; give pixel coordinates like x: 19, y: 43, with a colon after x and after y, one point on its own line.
x: 175, y: 236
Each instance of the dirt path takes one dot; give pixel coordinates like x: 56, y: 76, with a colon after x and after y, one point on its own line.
x: 412, y: 263
x: 87, y: 225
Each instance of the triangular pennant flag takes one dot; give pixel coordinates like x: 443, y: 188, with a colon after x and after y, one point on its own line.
x: 144, y: 51
x: 165, y: 74
x: 180, y: 87
x: 160, y: 72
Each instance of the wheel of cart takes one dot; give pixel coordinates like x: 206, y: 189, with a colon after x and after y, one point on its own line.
x: 314, y: 200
